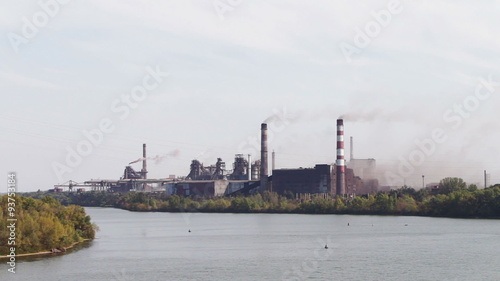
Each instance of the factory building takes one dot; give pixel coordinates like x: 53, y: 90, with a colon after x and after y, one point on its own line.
x: 210, y: 188
x: 247, y: 177
x: 364, y: 169
x: 332, y: 179
x: 319, y: 179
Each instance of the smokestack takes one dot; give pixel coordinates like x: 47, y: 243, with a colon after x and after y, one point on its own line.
x: 144, y: 170
x: 340, y: 158
x: 249, y: 169
x: 273, y: 161
x: 352, y: 149
x: 263, y: 156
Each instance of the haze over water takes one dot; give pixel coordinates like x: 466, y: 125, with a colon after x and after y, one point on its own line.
x: 158, y: 246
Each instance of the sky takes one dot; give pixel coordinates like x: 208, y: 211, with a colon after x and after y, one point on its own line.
x: 85, y: 83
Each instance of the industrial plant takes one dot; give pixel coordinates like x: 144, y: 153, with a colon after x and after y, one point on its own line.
x: 247, y: 177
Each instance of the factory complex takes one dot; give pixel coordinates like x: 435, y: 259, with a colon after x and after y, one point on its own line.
x: 355, y: 177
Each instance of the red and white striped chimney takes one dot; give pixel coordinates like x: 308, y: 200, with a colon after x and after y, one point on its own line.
x: 340, y: 158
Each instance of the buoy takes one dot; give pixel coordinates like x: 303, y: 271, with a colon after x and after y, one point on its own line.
x: 326, y: 246
x: 189, y: 230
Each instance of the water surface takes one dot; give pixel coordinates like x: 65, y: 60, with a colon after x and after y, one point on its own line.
x: 159, y: 246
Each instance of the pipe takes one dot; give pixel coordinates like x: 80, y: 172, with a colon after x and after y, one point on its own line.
x: 340, y: 158
x: 249, y: 168
x: 144, y: 164
x: 273, y: 161
x: 352, y: 149
x: 263, y: 157
x: 485, y: 179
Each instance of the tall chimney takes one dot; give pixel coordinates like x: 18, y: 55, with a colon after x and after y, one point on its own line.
x: 144, y: 170
x: 340, y: 158
x: 352, y: 149
x: 263, y: 157
x: 273, y: 165
x: 249, y: 169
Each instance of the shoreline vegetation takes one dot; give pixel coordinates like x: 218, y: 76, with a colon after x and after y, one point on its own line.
x: 454, y: 199
x: 46, y: 253
x: 43, y: 226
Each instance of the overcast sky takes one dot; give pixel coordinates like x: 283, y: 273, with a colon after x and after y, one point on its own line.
x: 194, y: 79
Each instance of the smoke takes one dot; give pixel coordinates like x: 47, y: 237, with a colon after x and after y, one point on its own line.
x: 138, y: 160
x: 282, y: 115
x: 159, y: 157
x: 356, y: 113
x: 378, y: 114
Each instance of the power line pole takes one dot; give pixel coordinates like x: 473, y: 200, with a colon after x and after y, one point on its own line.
x: 485, y: 179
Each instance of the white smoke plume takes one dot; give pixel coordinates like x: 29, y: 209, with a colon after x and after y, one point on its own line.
x: 282, y: 115
x: 386, y: 115
x: 159, y: 157
x: 138, y: 160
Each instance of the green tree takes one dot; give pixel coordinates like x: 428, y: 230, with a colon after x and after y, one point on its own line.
x: 472, y: 187
x: 449, y: 185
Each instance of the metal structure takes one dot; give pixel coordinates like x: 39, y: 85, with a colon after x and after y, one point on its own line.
x: 273, y: 163
x: 240, y: 168
x: 69, y: 185
x: 130, y: 173
x: 351, y: 147
x: 144, y: 170
x: 199, y: 172
x: 263, y: 157
x: 256, y: 170
x: 220, y: 167
x: 249, y: 168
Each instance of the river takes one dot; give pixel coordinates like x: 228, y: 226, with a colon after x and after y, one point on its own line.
x: 195, y: 246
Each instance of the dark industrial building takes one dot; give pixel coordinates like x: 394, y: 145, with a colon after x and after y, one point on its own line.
x: 319, y: 179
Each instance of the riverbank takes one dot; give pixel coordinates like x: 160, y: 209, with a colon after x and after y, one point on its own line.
x: 36, y: 226
x: 461, y: 203
x: 52, y: 252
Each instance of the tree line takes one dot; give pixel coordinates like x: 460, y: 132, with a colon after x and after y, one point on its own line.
x: 43, y: 225
x: 454, y: 198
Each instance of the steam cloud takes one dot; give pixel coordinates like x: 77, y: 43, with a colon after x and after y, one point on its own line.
x: 158, y: 158
x: 378, y: 114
